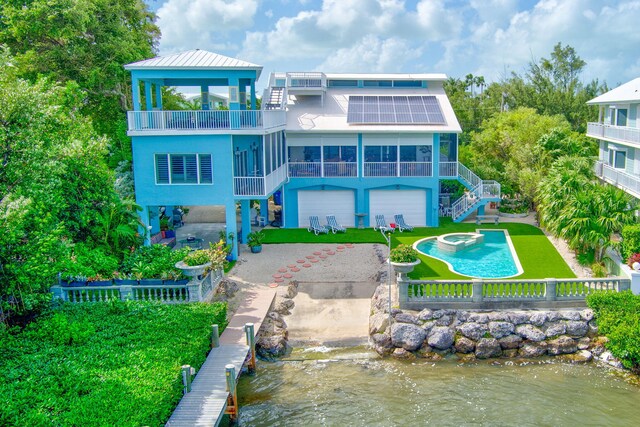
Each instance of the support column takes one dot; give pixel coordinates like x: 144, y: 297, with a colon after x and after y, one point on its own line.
x: 232, y: 226
x: 204, y: 97
x: 434, y: 219
x: 234, y: 94
x: 154, y: 219
x: 135, y: 92
x: 245, y: 213
x: 264, y: 209
x: 254, y: 105
x: 158, y: 96
x: 144, y: 229
x: 148, y: 96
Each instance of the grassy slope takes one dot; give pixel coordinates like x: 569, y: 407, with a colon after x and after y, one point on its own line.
x: 537, y: 255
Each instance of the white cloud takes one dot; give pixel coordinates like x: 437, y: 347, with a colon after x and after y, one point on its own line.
x: 342, y: 24
x: 187, y: 24
x: 371, y: 54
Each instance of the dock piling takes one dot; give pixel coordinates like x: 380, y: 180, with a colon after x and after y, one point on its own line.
x: 215, y: 337
x: 232, y: 399
x: 251, y: 342
x: 187, y: 373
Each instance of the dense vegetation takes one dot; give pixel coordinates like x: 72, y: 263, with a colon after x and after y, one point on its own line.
x: 618, y: 317
x: 111, y: 364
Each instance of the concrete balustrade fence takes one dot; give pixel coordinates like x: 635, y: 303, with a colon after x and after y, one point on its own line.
x: 496, y: 294
x: 193, y: 291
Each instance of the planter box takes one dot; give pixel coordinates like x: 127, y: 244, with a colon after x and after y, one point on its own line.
x: 192, y: 271
x: 125, y: 282
x: 76, y: 284
x: 150, y: 282
x: 100, y: 283
x: 404, y: 268
x: 181, y: 282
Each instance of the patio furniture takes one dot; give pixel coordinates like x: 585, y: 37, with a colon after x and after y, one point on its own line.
x: 333, y: 225
x: 490, y: 218
x: 381, y: 224
x: 400, y: 224
x: 315, y: 227
x: 261, y: 221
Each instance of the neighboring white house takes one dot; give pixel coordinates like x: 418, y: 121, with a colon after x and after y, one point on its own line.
x: 618, y: 132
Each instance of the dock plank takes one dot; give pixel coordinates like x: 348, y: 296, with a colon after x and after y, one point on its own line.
x: 205, y: 404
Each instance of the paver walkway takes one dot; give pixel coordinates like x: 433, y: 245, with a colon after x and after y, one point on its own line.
x: 205, y: 404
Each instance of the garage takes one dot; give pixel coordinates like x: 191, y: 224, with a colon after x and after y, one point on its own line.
x: 340, y: 203
x: 412, y: 204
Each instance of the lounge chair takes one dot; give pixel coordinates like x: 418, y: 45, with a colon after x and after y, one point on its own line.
x: 333, y: 225
x: 400, y: 224
x: 381, y: 224
x: 315, y: 227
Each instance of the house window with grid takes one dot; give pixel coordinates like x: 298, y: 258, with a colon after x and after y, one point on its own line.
x: 184, y: 169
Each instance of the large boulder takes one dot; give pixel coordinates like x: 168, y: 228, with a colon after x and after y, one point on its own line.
x: 555, y: 329
x: 533, y: 349
x: 272, y: 347
x: 478, y: 318
x: 401, y: 353
x: 473, y: 330
x: 530, y: 332
x: 510, y: 342
x: 488, y: 347
x: 498, y: 316
x: 444, y: 320
x: 538, y: 318
x: 562, y: 345
x: 425, y: 315
x: 464, y: 345
x: 570, y: 314
x: 284, y: 306
x: 440, y: 337
x: 577, y: 328
x: 382, y: 344
x: 501, y: 329
x: 406, y: 318
x: 378, y: 323
x: 408, y: 336
x: 519, y: 317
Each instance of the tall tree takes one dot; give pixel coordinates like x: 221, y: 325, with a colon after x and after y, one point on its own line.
x: 86, y: 41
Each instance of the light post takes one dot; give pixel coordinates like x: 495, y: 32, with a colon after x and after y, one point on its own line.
x: 387, y: 237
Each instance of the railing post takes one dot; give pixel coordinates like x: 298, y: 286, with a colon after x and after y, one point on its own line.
x: 187, y: 372
x: 403, y: 292
x: 624, y: 285
x: 232, y: 399
x: 251, y: 342
x: 58, y: 293
x: 215, y: 336
x: 550, y: 289
x: 477, y: 285
x: 194, y: 290
x: 126, y: 292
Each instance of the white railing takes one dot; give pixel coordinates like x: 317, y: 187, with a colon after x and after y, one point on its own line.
x: 141, y: 121
x: 479, y: 189
x: 416, y: 169
x: 619, y: 178
x: 448, y: 169
x: 340, y: 169
x: 259, y: 185
x: 167, y: 291
x: 380, y: 169
x: 491, y: 189
x: 466, y: 174
x: 305, y: 169
x: 306, y: 80
x: 473, y: 293
x: 615, y: 133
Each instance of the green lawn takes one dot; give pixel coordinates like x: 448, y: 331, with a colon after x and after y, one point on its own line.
x: 537, y: 255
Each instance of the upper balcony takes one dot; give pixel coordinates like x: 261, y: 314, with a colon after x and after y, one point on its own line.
x: 204, y: 122
x: 618, y: 177
x: 622, y: 134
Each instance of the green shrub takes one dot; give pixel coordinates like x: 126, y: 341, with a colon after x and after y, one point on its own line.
x: 403, y: 253
x: 155, y: 261
x: 630, y: 240
x: 199, y: 257
x: 618, y: 317
x: 110, y: 364
x: 84, y: 261
x: 599, y: 269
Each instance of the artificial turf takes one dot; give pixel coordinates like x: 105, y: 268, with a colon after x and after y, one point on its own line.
x: 538, y: 257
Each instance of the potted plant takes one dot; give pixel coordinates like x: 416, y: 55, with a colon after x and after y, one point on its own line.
x: 254, y: 241
x: 404, y: 258
x: 120, y: 279
x: 194, y: 263
x: 99, y: 280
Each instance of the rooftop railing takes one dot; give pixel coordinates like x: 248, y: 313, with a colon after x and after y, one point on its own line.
x: 202, y: 120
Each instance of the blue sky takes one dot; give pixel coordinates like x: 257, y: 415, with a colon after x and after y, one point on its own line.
x: 483, y: 37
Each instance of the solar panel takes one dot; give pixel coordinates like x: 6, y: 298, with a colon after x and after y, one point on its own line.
x: 394, y: 110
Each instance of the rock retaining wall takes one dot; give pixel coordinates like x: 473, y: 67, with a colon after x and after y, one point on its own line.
x: 473, y: 335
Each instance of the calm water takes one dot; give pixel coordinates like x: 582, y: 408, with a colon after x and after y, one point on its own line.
x: 491, y: 259
x: 363, y: 390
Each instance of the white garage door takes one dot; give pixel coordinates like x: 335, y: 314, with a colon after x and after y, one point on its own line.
x: 340, y: 203
x: 412, y: 204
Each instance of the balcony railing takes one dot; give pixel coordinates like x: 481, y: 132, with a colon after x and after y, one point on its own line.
x: 306, y: 80
x: 614, y: 133
x: 142, y: 121
x: 448, y: 169
x: 401, y: 169
x: 619, y: 178
x: 340, y: 169
x: 250, y: 186
x: 305, y: 169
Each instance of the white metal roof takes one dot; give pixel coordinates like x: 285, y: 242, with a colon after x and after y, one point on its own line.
x: 627, y: 92
x: 192, y: 60
x: 308, y: 114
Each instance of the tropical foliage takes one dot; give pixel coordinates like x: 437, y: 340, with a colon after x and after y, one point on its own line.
x: 618, y: 317
x: 111, y: 364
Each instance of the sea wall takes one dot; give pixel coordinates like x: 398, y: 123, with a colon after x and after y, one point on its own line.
x: 471, y: 335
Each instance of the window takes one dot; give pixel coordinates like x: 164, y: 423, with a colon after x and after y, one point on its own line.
x: 617, y: 158
x: 415, y: 153
x: 448, y: 147
x: 342, y: 83
x: 407, y: 83
x: 339, y: 153
x: 380, y: 153
x: 184, y: 169
x: 376, y: 83
x: 621, y: 117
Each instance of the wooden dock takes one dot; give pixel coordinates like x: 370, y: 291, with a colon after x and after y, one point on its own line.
x: 207, y: 401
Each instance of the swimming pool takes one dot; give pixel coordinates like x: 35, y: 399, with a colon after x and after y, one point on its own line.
x: 490, y: 258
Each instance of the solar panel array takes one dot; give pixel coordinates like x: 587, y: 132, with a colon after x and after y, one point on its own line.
x: 423, y: 110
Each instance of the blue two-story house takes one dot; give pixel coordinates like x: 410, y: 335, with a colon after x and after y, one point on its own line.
x: 351, y: 145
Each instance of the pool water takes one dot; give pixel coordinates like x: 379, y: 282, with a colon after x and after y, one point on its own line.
x: 493, y: 258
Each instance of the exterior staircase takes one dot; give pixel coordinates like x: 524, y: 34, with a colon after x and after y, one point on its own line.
x: 481, y: 192
x: 274, y: 98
